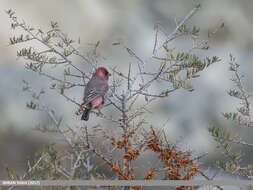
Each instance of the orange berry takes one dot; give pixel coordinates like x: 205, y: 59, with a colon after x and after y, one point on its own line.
x: 131, y: 170
x: 115, y: 168
x: 128, y: 156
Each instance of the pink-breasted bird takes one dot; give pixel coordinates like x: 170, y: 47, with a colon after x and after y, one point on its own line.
x: 94, y: 92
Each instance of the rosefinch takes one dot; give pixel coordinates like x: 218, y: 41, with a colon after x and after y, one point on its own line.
x: 94, y: 92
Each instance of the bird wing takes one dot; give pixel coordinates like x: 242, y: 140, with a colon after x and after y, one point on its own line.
x: 93, y: 90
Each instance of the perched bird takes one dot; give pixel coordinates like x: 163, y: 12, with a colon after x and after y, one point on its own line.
x: 94, y: 92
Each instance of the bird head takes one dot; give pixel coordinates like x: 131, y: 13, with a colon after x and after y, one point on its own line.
x: 102, y: 73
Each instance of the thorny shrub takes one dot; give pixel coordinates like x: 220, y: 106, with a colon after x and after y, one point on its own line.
x: 133, y: 134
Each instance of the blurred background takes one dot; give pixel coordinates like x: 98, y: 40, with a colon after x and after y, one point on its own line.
x: 188, y: 115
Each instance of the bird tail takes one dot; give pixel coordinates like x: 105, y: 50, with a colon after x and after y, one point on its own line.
x: 86, y: 114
